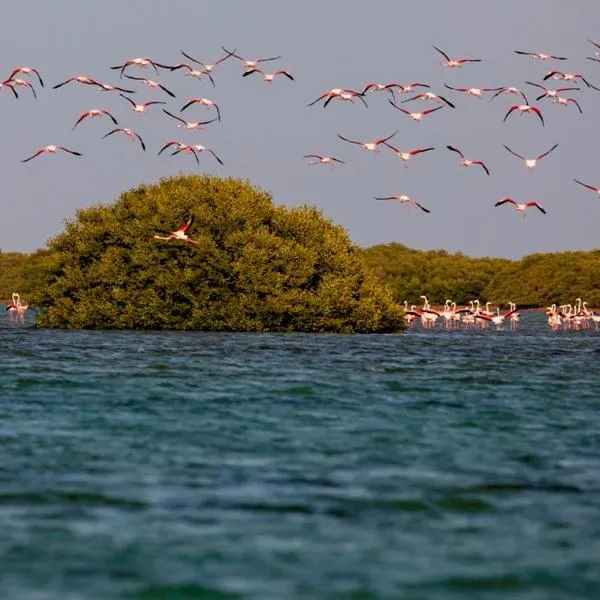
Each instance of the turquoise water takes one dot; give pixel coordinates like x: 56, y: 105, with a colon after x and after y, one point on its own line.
x: 430, y: 465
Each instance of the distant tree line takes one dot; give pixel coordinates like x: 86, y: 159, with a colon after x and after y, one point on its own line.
x: 536, y: 280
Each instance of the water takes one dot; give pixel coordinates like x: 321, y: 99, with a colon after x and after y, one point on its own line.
x: 430, y: 465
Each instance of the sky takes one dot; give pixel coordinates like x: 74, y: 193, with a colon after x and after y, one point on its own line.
x: 267, y: 128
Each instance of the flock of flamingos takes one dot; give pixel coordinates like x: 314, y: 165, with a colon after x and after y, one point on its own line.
x: 566, y: 316
x: 29, y: 77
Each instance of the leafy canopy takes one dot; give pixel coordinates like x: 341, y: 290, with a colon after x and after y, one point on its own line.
x: 256, y: 267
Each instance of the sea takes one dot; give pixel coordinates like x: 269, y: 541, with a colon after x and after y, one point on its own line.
x: 434, y: 464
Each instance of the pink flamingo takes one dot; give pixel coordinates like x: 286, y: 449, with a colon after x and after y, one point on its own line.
x: 143, y: 106
x: 143, y: 63
x: 154, y: 85
x: 179, y: 234
x: 342, y: 94
x: 465, y: 162
x: 323, y: 160
x: 525, y: 108
x: 198, y: 125
x: 95, y: 112
x: 415, y: 116
x: 268, y: 77
x: 540, y: 55
x: 531, y: 163
x: 132, y: 135
x: 203, y: 102
x: 27, y: 71
x: 51, y: 150
x: 453, y: 63
x: 472, y: 91
x: 372, y: 146
x: 403, y: 199
x: 521, y: 207
x: 430, y: 96
x: 509, y: 90
x: 407, y: 156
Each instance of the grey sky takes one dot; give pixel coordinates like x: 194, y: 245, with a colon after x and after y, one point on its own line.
x: 267, y: 128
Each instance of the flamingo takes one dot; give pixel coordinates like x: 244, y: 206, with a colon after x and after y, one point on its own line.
x: 154, y: 85
x: 268, y: 77
x: 94, y: 112
x: 27, y: 71
x: 11, y: 88
x: 588, y: 186
x: 323, y: 160
x: 142, y: 62
x: 540, y: 55
x: 430, y: 96
x: 107, y: 87
x: 531, y: 163
x: 372, y: 146
x: 191, y: 72
x: 13, y: 83
x: 406, y: 156
x: 198, y: 148
x: 208, y: 68
x: 472, y: 91
x: 16, y: 310
x: 77, y: 79
x: 465, y: 162
x: 415, y: 116
x: 180, y: 146
x: 142, y: 107
x: 405, y: 89
x: 203, y: 102
x: 129, y: 133
x: 521, y: 207
x: 525, y: 108
x: 51, y: 150
x: 509, y: 90
x: 560, y: 101
x: 453, y: 63
x: 569, y: 77
x: 179, y: 234
x: 198, y: 125
x: 403, y: 199
x: 250, y: 64
x: 343, y: 94
x: 551, y: 93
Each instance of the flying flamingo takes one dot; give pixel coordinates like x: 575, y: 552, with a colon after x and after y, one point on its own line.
x: 452, y: 63
x: 51, y: 150
x: 140, y: 62
x: 203, y: 102
x: 569, y: 77
x: 509, y: 90
x: 13, y: 83
x: 406, y: 156
x: 595, y: 188
x: 77, y: 79
x: 540, y: 55
x: 27, y: 71
x: 191, y: 72
x: 565, y: 102
x: 472, y: 91
x: 521, y: 207
x: 323, y: 160
x: 343, y: 94
x: 106, y: 87
x: 189, y: 124
x: 180, y: 146
x: 430, y: 96
x: 415, y: 116
x: 551, y: 93
x: 129, y: 133
x: 207, y: 68
x: 525, y: 108
x: 94, y: 112
x: 179, y: 234
x: 11, y: 88
x: 531, y: 163
x: 403, y: 199
x: 268, y: 77
x: 372, y: 146
x: 142, y: 107
x: 198, y: 148
x: 249, y: 64
x: 152, y: 84
x: 465, y: 162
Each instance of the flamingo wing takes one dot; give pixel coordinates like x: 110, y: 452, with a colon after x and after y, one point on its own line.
x: 40, y: 151
x: 587, y: 185
x: 512, y: 152
x: 482, y: 165
x: 546, y: 153
x: 455, y: 150
x: 537, y: 205
x: 442, y: 53
x: 504, y: 201
x: 184, y: 228
x: 351, y: 141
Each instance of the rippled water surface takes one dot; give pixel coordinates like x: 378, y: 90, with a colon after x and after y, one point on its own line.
x: 429, y: 465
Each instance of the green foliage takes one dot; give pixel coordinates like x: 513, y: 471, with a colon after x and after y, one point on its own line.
x: 535, y: 280
x: 11, y: 266
x: 256, y: 267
